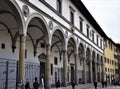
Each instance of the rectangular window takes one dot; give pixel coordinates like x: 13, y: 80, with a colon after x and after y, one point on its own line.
x: 51, y: 69
x: 105, y: 60
x: 105, y: 43
x: 108, y: 60
x: 111, y: 45
x: 25, y: 53
x: 81, y: 24
x: 97, y: 38
x: 106, y: 69
x: 101, y: 43
x: 42, y: 45
x: 87, y: 30
x: 93, y: 35
x: 55, y: 60
x: 3, y: 46
x: 59, y: 6
x: 72, y: 15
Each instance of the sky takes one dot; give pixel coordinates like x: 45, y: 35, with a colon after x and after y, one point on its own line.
x: 107, y: 15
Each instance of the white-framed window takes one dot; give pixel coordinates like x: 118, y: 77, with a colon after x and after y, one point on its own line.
x: 88, y: 30
x: 72, y: 11
x: 81, y: 24
x: 59, y: 6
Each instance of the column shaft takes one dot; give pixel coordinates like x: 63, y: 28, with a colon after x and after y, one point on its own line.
x: 22, y: 59
x: 84, y: 70
x: 65, y: 67
x: 76, y: 69
x: 91, y: 77
x: 47, y: 68
x: 96, y: 71
x: 100, y: 74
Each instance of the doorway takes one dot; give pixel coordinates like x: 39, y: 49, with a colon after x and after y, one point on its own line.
x: 72, y: 73
x: 42, y: 71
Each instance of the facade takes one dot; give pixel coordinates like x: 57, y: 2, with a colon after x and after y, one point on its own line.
x: 117, y: 56
x: 111, y: 61
x: 55, y: 39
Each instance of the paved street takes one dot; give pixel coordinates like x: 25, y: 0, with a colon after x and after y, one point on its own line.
x: 89, y: 86
x: 110, y: 87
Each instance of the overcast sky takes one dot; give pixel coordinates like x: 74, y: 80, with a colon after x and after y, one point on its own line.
x: 107, y: 15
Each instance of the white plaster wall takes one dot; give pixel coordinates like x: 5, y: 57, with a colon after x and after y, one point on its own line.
x: 7, y: 52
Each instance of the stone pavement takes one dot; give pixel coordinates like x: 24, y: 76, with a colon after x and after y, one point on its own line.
x: 90, y: 86
x: 81, y: 86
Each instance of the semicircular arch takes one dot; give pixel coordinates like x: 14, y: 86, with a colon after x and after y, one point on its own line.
x: 20, y: 18
x: 61, y: 33
x: 74, y: 44
x: 44, y: 24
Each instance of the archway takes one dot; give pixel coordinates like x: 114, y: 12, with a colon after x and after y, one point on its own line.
x: 36, y: 40
x: 57, y: 48
x: 81, y: 53
x: 10, y: 25
x: 71, y: 52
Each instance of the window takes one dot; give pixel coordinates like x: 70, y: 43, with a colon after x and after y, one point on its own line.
x: 81, y: 24
x: 105, y: 59
x: 101, y: 43
x: 106, y: 69
x: 111, y: 46
x: 112, y: 62
x: 105, y: 42
x: 97, y: 38
x: 87, y: 30
x: 25, y: 53
x: 51, y: 69
x: 42, y: 44
x: 72, y: 15
x: 93, y: 35
x: 59, y: 6
x: 55, y: 60
x: 3, y: 46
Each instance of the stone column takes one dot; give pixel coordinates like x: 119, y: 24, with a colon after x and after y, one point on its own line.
x: 91, y: 71
x: 100, y: 73
x: 96, y: 71
x: 76, y: 69
x: 84, y: 70
x: 22, y: 59
x: 65, y: 67
x: 47, y: 68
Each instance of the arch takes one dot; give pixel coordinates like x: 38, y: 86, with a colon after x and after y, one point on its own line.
x: 98, y: 59
x: 93, y: 56
x: 88, y: 55
x: 15, y: 12
x: 43, y: 22
x: 58, y: 28
x: 20, y: 18
x: 75, y: 43
x: 81, y: 51
x: 81, y: 47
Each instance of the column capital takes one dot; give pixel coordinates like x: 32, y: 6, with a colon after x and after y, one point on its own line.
x: 22, y: 38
